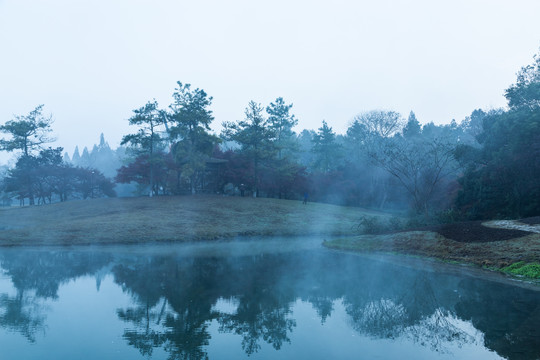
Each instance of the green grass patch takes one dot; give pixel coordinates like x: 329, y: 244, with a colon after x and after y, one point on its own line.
x: 521, y: 268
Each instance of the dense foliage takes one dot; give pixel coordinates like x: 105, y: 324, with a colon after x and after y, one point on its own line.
x: 40, y: 174
x: 502, y: 176
x: 486, y: 166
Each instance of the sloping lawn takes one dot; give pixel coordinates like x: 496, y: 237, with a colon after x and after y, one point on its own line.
x: 178, y: 218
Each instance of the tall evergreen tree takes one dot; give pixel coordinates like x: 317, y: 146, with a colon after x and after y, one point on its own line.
x: 191, y: 118
x: 326, y: 148
x: 355, y: 141
x: 255, y: 137
x: 281, y: 121
x: 102, y: 142
x: 86, y: 160
x: 76, y: 158
x: 413, y: 127
x: 147, y: 141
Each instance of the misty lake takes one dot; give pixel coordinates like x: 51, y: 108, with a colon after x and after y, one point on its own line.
x: 286, y: 299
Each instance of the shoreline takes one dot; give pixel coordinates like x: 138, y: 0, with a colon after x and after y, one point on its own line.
x: 166, y: 221
x: 248, y: 245
x: 468, y: 269
x: 495, y: 257
x: 462, y: 269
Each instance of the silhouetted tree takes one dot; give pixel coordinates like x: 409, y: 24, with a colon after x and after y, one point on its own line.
x: 526, y: 91
x: 281, y: 121
x: 255, y: 138
x: 27, y: 133
x: 501, y: 178
x: 326, y: 149
x: 147, y: 141
x: 413, y: 127
x: 191, y: 118
x: 381, y: 123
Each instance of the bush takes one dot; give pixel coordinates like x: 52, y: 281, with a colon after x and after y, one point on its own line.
x: 395, y: 224
x: 370, y: 225
x: 448, y: 216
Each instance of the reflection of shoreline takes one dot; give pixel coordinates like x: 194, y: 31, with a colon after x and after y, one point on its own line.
x: 178, y: 289
x: 245, y: 246
x: 242, y: 246
x: 439, y: 266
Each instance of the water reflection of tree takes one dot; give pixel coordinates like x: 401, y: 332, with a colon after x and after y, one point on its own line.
x: 264, y: 302
x: 507, y: 315
x: 412, y: 312
x: 22, y: 313
x: 175, y: 300
x: 185, y: 310
x: 146, y: 338
x: 394, y: 303
x: 323, y: 305
x: 257, y: 319
x: 44, y: 271
x: 191, y: 288
x: 37, y: 275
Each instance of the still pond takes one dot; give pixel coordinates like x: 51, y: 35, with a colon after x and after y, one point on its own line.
x: 255, y: 299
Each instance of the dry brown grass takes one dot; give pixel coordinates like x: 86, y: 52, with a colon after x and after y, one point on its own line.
x: 158, y: 219
x: 495, y: 254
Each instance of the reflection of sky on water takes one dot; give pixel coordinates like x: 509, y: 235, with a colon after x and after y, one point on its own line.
x: 263, y: 305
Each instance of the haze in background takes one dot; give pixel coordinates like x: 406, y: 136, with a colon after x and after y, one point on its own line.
x: 92, y: 62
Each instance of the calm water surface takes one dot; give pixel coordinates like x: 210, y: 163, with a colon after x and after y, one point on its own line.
x: 262, y: 300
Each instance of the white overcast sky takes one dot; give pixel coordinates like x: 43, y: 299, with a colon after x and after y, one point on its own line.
x: 92, y: 62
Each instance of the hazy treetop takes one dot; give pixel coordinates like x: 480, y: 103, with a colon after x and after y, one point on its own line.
x: 91, y: 63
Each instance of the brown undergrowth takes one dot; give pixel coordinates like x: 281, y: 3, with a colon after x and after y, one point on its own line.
x: 496, y: 254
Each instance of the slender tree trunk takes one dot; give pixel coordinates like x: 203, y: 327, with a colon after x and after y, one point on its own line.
x: 256, y: 169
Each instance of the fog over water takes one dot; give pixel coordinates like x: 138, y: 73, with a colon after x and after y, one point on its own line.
x: 189, y: 302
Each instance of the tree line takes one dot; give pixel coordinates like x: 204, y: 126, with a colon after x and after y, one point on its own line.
x: 40, y: 175
x: 486, y: 166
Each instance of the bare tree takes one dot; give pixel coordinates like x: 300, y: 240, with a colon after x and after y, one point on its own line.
x: 381, y: 123
x: 420, y: 165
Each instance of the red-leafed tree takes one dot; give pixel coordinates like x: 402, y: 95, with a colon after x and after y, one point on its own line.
x: 139, y: 172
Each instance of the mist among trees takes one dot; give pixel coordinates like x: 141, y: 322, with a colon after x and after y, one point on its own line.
x: 485, y: 166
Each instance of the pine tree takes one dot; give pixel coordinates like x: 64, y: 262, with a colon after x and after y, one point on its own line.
x: 76, y: 158
x: 326, y: 148
x: 255, y: 137
x: 412, y: 128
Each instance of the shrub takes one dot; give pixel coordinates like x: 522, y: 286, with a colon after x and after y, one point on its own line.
x: 370, y: 225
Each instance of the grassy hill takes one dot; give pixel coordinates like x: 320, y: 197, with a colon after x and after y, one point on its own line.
x: 182, y: 218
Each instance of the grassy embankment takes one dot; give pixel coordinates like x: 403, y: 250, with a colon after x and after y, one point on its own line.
x: 162, y: 219
x: 517, y: 256
x: 193, y: 218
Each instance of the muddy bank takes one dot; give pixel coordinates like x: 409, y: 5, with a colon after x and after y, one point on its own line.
x: 465, y: 243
